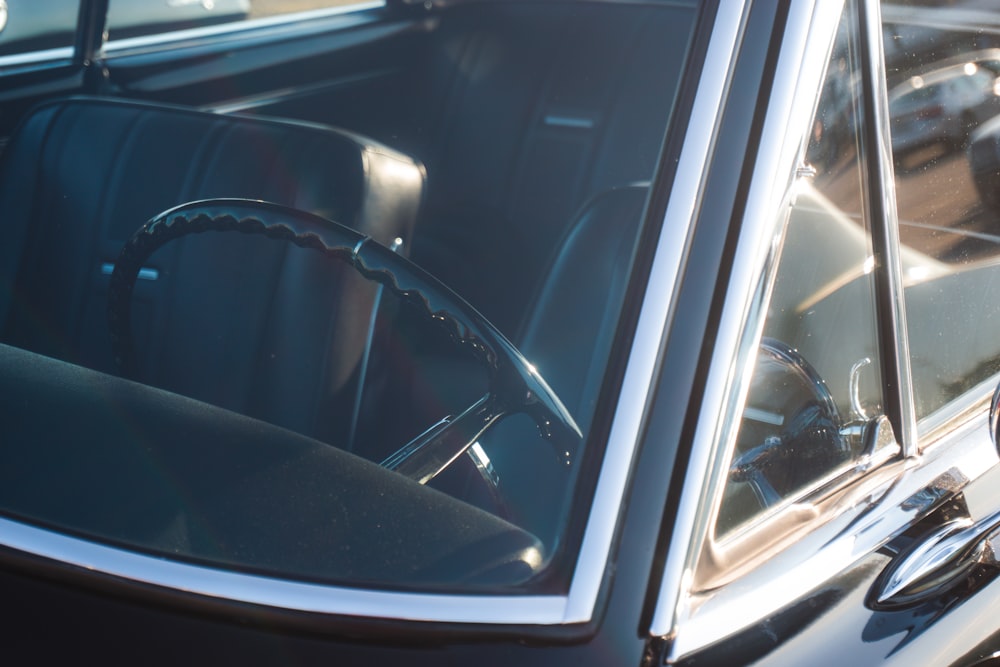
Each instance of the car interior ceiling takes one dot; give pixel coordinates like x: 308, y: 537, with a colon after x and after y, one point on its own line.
x: 510, y: 160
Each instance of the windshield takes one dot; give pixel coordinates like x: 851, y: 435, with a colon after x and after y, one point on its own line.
x: 391, y: 376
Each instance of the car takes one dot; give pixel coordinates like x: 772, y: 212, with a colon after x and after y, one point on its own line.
x: 496, y: 332
x: 942, y: 106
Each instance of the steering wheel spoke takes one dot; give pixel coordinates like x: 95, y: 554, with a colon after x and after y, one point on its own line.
x: 424, y: 457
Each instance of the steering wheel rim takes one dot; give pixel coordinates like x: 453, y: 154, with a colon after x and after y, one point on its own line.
x: 810, y: 434
x: 514, y: 384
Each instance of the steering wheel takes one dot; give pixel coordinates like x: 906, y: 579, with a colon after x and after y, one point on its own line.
x: 792, y: 431
x: 514, y: 385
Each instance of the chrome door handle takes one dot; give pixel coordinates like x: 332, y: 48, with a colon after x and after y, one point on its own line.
x: 940, y: 560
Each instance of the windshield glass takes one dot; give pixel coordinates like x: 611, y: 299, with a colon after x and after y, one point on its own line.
x: 404, y: 396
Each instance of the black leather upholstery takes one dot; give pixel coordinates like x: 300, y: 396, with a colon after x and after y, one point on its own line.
x: 245, y: 323
x: 532, y: 108
x: 146, y: 468
x: 568, y: 337
x: 572, y: 323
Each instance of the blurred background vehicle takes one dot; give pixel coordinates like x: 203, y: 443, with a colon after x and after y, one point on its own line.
x: 942, y: 106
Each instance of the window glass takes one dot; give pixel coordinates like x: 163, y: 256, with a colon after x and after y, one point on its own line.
x: 133, y: 18
x: 37, y: 25
x: 944, y: 101
x: 287, y: 416
x: 816, y: 386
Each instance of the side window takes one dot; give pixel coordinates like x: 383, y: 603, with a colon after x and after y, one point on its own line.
x: 37, y: 26
x: 135, y: 18
x: 946, y: 151
x: 815, y: 390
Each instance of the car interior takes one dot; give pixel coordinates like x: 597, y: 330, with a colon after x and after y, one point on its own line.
x: 505, y: 148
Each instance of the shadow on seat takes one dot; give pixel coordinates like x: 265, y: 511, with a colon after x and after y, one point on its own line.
x: 567, y: 336
x: 245, y: 323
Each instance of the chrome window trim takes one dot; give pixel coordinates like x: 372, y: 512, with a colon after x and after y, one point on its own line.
x: 731, y: 357
x: 757, y: 243
x: 656, y: 311
x: 46, y: 57
x: 881, y: 177
x: 579, y: 604
x: 274, y: 592
x: 234, y: 29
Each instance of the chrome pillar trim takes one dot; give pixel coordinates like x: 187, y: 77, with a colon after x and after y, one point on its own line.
x: 885, y: 230
x: 723, y: 49
x: 655, y: 313
x: 800, y: 67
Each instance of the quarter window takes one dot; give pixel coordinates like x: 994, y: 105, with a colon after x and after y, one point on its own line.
x: 815, y: 390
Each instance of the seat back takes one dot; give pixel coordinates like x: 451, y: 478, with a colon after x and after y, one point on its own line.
x: 247, y: 323
x: 568, y: 337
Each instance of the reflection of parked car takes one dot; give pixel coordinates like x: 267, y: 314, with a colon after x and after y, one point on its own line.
x: 44, y: 24
x: 984, y: 161
x: 942, y: 106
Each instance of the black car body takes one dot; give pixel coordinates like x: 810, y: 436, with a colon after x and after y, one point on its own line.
x: 481, y: 332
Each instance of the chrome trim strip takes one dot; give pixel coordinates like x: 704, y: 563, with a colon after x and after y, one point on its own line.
x: 45, y: 57
x: 579, y: 604
x: 235, y: 27
x: 742, y: 319
x: 881, y: 175
x: 279, y: 593
x: 653, y: 319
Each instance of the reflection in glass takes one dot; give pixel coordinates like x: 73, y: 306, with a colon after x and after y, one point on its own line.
x: 944, y: 106
x: 37, y: 25
x: 135, y: 18
x: 816, y: 382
